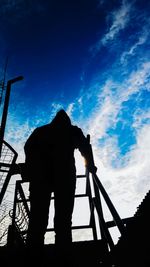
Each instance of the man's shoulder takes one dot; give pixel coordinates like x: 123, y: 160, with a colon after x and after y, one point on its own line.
x: 39, y: 131
x: 76, y: 130
x: 42, y: 128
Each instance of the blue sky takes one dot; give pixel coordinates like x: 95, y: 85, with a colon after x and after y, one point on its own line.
x: 91, y: 58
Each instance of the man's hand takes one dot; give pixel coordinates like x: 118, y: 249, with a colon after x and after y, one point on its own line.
x: 92, y: 169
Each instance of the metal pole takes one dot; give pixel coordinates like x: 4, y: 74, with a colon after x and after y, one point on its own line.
x: 3, y: 82
x: 5, y: 109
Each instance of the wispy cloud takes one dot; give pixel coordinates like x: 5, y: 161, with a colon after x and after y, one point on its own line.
x: 105, y: 114
x: 16, y: 136
x: 143, y: 37
x: 70, y: 109
x: 141, y: 117
x: 56, y: 106
x: 128, y: 182
x: 120, y: 19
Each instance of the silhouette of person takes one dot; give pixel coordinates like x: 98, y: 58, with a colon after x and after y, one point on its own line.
x: 50, y: 167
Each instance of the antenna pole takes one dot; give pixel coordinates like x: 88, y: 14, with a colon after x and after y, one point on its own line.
x: 5, y: 109
x: 5, y: 68
x: 3, y: 81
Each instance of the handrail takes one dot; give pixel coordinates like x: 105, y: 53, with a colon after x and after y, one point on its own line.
x: 95, y: 200
x: 110, y: 205
x: 91, y: 205
x: 10, y: 147
x: 7, y: 179
x: 105, y: 234
x: 19, y: 223
x: 104, y: 229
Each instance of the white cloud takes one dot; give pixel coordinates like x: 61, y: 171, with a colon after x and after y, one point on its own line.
x: 105, y: 114
x: 139, y: 159
x: 16, y: 136
x: 55, y: 108
x: 140, y: 117
x: 120, y: 19
x: 126, y: 185
x: 102, y: 119
x: 129, y: 182
x: 141, y: 40
x: 138, y: 79
x: 70, y: 109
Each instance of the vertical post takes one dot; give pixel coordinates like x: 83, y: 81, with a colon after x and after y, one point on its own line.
x: 89, y: 193
x: 5, y: 109
x: 3, y: 82
x: 105, y: 235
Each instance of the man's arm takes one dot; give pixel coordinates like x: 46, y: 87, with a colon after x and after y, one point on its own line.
x: 85, y: 149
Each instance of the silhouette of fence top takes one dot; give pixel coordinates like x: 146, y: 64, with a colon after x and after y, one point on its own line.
x: 8, y: 154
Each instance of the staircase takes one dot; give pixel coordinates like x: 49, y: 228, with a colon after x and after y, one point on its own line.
x: 81, y: 254
x: 94, y: 252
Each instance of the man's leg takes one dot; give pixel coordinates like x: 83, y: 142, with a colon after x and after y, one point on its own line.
x: 64, y: 203
x: 38, y: 220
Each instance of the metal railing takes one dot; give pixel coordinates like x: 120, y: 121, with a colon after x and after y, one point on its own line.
x: 21, y: 210
x: 117, y: 221
x: 7, y: 161
x: 20, y: 216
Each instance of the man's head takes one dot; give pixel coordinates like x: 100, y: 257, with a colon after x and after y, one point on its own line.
x: 62, y: 119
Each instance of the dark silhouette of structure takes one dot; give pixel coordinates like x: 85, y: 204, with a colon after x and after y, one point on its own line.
x: 132, y: 249
x: 50, y: 167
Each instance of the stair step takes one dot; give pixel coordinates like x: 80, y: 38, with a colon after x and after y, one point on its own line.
x: 80, y: 254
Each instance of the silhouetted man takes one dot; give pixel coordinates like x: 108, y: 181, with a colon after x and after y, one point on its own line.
x: 50, y: 166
